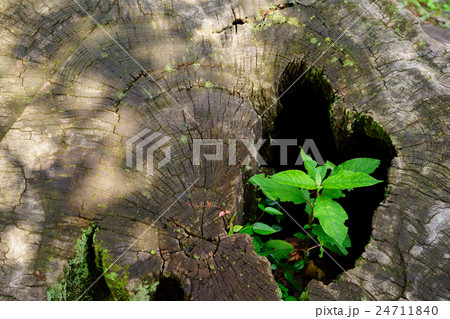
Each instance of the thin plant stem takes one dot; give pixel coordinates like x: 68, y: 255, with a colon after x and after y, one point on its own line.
x: 308, y: 238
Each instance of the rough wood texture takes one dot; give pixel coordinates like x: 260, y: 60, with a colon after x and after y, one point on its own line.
x: 71, y: 97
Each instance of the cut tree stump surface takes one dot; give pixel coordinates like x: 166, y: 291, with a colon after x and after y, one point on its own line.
x: 74, y: 90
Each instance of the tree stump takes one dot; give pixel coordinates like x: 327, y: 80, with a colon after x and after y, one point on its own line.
x: 80, y: 78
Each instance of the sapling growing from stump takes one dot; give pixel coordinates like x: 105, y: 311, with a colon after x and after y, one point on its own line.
x: 318, y: 188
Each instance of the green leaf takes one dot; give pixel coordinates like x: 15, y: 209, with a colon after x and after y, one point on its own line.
x: 328, y: 242
x: 284, y: 291
x: 290, y: 278
x: 310, y: 169
x: 263, y: 229
x: 282, y: 288
x: 331, y: 216
x: 237, y: 228
x: 286, y: 266
x: 333, y: 193
x: 290, y: 298
x: 273, y: 211
x: 304, y: 296
x: 321, y: 172
x: 274, y: 190
x: 362, y: 165
x: 300, y: 235
x: 309, y: 164
x: 277, y: 227
x: 288, y: 275
x: 269, y: 202
x: 258, y: 243
x: 299, y: 265
x: 329, y: 165
x: 305, y: 194
x: 278, y: 248
x: 347, y: 179
x: 295, y: 178
x: 279, y: 218
x: 274, y: 260
x: 308, y: 208
x: 248, y: 229
x: 306, y: 157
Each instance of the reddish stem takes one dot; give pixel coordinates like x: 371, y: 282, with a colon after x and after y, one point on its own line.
x: 266, y: 12
x: 313, y: 247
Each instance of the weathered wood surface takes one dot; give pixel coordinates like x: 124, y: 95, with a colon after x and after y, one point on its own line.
x: 64, y: 123
x: 438, y: 33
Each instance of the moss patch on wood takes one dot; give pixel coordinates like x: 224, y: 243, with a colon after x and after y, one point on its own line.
x: 80, y: 273
x: 93, y: 275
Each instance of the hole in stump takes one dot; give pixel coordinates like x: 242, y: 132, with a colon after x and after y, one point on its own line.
x: 169, y: 289
x: 238, y: 21
x: 305, y: 114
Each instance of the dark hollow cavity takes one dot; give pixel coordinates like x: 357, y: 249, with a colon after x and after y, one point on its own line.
x: 169, y: 289
x: 238, y: 21
x: 305, y: 114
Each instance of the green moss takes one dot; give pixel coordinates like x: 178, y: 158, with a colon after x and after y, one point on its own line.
x: 169, y: 68
x: 420, y: 45
x: 79, y: 274
x: 183, y: 139
x: 145, y: 291
x: 348, y: 63
x: 209, y: 85
x: 293, y: 21
x: 91, y: 274
x: 274, y: 18
x: 115, y: 275
x: 147, y: 194
x: 305, y: 296
x: 317, y: 78
x: 372, y: 129
x: 277, y: 17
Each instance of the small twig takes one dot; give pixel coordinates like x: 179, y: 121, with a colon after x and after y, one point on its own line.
x: 266, y: 12
x: 313, y: 247
x: 278, y: 7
